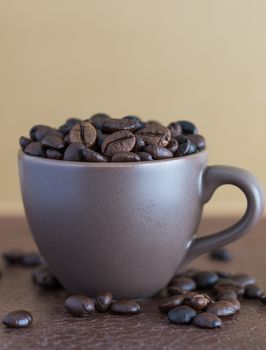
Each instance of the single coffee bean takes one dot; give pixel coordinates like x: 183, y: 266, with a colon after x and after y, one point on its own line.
x: 18, y: 319
x: 188, y: 296
x: 38, y: 132
x: 221, y: 308
x: 198, y: 302
x: 35, y: 149
x: 74, y: 152
x: 207, y: 320
x: 198, y: 140
x: 188, y: 127
x: 44, y: 278
x: 155, y: 134
x: 171, y: 303
x: 31, y: 260
x: 175, y: 129
x: 55, y: 133
x: 172, y: 145
x: 13, y: 257
x: 252, y: 291
x: 262, y: 298
x: 120, y: 141
x: 235, y: 302
x: 54, y: 154
x: 84, y: 133
x: 53, y: 142
x: 225, y: 285
x: 243, y: 279
x: 185, y: 283
x: 229, y: 294
x: 139, y: 124
x: 144, y: 156
x: 68, y: 125
x: 79, y: 305
x: 205, y: 279
x: 125, y: 307
x: 221, y: 255
x: 97, y: 120
x: 185, y: 149
x: 24, y: 142
x: 182, y: 314
x: 158, y: 152
x: 92, y: 156
x: 139, y: 145
x: 125, y: 157
x: 173, y: 290
x: 112, y: 125
x: 103, y: 301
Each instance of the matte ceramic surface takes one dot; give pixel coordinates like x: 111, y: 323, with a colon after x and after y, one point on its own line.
x: 126, y: 227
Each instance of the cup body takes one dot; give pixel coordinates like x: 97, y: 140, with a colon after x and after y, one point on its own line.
x: 122, y: 227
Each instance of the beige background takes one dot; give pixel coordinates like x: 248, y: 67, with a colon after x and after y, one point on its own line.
x: 201, y: 60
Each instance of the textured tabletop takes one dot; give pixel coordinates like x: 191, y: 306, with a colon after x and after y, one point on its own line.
x: 53, y: 328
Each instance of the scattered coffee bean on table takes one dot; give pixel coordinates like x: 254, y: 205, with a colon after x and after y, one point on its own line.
x: 13, y: 256
x: 171, y: 303
x: 207, y: 320
x: 125, y: 307
x: 184, y: 283
x: 222, y: 308
x: 79, y: 305
x: 221, y: 255
x: 205, y: 279
x: 105, y: 139
x: 31, y: 260
x: 252, y: 291
x: 103, y: 301
x: 43, y: 277
x: 18, y: 319
x: 182, y: 314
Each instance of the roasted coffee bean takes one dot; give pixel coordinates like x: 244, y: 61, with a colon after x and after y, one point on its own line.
x: 243, y: 279
x: 171, y: 303
x: 189, y: 295
x: 235, y: 302
x: 98, y: 119
x: 139, y: 145
x: 207, y: 320
x: 153, y: 123
x: 172, y: 145
x: 252, y: 291
x: 182, y: 314
x: 139, y: 124
x: 24, y: 142
x: 120, y: 141
x: 103, y: 301
x: 225, y: 285
x: 155, y: 134
x: 224, y: 274
x: 92, y: 156
x: 44, y: 278
x: 13, y: 256
x: 222, y: 308
x: 185, y: 149
x: 125, y: 157
x: 125, y: 307
x: 83, y: 132
x: 263, y: 298
x: 188, y: 127
x: 221, y: 255
x: 68, y: 125
x: 198, y: 302
x: 229, y: 294
x: 53, y: 142
x: 54, y: 154
x: 18, y: 319
x: 175, y: 129
x: 35, y: 149
x: 113, y: 125
x: 31, y: 260
x: 38, y: 132
x: 205, y: 279
x: 185, y: 283
x: 158, y: 152
x: 74, y: 152
x: 198, y: 140
x: 79, y: 305
x: 173, y: 290
x: 144, y: 156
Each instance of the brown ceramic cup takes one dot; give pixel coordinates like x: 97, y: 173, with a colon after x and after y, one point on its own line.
x: 127, y: 227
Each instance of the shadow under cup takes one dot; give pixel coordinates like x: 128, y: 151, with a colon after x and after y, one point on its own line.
x: 126, y: 227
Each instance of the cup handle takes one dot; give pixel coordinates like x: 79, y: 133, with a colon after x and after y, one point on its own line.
x: 213, y: 177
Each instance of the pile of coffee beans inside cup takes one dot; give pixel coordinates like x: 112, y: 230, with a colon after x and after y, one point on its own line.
x: 200, y: 298
x: 105, y: 139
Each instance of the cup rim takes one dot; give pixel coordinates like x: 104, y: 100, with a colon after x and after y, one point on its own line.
x: 195, y: 156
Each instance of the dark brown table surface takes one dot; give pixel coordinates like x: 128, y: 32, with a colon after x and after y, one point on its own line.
x: 53, y: 328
